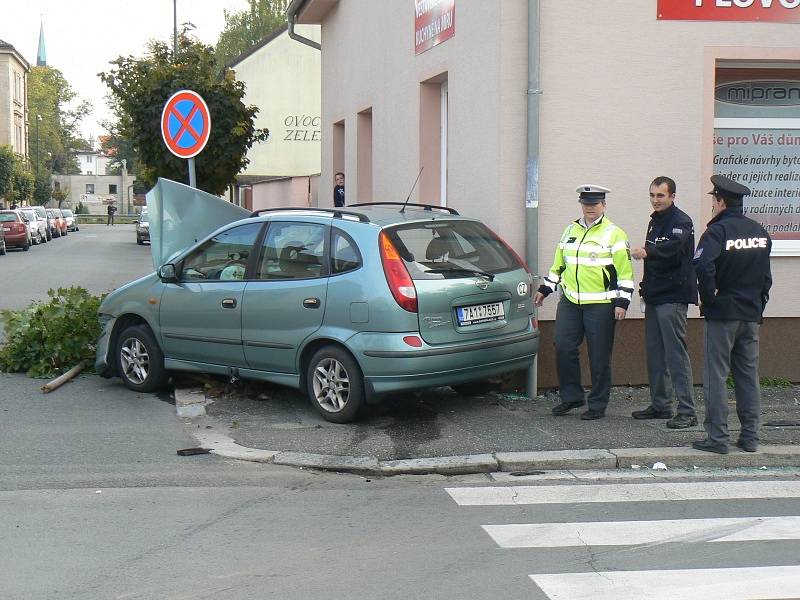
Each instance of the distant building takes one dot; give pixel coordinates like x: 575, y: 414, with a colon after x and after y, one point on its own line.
x: 92, y: 163
x: 97, y: 191
x: 282, y: 79
x: 14, y: 71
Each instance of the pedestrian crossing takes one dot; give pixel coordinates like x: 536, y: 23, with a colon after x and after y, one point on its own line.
x: 778, y: 582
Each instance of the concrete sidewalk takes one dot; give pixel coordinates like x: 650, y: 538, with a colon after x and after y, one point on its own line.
x: 438, y: 431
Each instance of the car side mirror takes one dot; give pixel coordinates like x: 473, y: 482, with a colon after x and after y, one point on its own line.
x: 168, y: 274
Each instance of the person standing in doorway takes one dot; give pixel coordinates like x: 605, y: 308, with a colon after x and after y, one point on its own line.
x: 111, y: 210
x: 667, y: 289
x: 734, y: 280
x: 338, y: 190
x: 592, y: 266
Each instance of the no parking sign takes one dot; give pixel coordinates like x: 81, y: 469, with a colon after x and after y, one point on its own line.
x: 185, y: 124
x: 185, y: 127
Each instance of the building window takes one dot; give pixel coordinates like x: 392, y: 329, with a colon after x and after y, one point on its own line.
x: 56, y: 185
x: 364, y: 155
x: 112, y: 188
x: 757, y: 143
x: 90, y: 188
x: 433, y: 106
x: 88, y: 159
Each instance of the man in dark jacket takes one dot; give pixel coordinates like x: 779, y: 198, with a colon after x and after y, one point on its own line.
x: 734, y: 279
x: 667, y: 289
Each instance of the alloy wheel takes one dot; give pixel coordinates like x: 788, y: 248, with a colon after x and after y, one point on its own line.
x: 331, y: 385
x: 135, y: 360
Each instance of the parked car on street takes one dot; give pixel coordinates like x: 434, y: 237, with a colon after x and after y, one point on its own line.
x: 36, y: 225
x: 41, y: 213
x: 62, y: 221
x: 71, y: 219
x: 344, y: 304
x: 142, y: 228
x: 53, y: 223
x: 16, y: 229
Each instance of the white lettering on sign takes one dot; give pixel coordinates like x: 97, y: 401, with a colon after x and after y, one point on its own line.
x: 748, y: 3
x: 746, y: 243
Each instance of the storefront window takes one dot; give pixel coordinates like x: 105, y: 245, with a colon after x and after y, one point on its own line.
x: 757, y: 143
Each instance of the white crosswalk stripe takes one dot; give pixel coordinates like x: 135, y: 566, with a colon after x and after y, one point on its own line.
x: 624, y: 533
x: 742, y: 583
x: 756, y: 583
x: 640, y: 492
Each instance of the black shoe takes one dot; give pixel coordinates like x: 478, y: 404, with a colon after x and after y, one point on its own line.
x: 747, y: 445
x: 591, y: 415
x: 651, y: 413
x: 682, y: 422
x: 709, y: 446
x: 565, y: 407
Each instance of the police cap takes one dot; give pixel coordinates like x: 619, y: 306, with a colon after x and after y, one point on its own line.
x: 728, y: 188
x: 591, y: 194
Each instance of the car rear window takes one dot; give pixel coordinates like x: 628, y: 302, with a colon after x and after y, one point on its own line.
x: 451, y: 248
x: 7, y: 217
x: 143, y: 218
x: 30, y: 214
x: 66, y: 213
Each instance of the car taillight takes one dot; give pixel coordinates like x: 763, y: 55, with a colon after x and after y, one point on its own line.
x: 400, y: 282
x: 19, y: 227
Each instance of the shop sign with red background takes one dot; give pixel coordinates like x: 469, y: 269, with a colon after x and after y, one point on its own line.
x: 434, y: 23
x: 778, y: 11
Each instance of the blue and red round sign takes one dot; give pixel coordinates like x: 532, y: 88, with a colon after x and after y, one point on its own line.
x: 185, y: 124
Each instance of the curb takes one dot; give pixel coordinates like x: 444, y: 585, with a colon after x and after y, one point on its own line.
x: 593, y: 459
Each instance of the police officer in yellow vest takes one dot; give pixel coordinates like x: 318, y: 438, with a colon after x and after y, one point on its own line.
x: 593, y: 268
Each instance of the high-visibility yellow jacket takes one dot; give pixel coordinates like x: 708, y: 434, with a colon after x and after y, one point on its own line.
x: 592, y: 265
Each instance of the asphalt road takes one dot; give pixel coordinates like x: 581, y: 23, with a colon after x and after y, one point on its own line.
x: 95, y: 503
x: 98, y: 257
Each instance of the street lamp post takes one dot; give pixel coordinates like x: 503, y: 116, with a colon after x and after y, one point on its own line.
x: 174, y: 31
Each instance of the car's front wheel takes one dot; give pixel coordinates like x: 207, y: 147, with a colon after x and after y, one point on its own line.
x: 335, y: 385
x: 140, y: 362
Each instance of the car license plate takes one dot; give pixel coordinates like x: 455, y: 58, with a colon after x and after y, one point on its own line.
x: 480, y: 313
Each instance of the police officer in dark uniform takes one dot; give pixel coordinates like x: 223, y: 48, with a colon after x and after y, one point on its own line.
x: 734, y: 279
x: 668, y: 288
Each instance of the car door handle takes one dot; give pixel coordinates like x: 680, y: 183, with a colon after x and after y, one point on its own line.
x: 311, y: 303
x: 229, y: 303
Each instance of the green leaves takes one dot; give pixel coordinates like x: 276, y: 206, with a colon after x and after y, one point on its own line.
x: 49, y: 338
x: 140, y: 88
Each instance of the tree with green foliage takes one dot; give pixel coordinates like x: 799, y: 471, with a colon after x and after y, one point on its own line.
x: 7, y: 162
x: 244, y: 29
x: 140, y: 88
x: 23, y: 184
x: 42, y: 188
x: 51, y: 97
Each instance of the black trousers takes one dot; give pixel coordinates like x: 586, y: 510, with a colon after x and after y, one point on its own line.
x: 596, y: 323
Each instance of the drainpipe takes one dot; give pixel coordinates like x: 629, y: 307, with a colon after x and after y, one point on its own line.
x: 291, y: 17
x: 532, y: 187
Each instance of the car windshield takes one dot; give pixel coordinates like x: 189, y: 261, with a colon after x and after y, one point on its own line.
x: 143, y: 218
x: 30, y: 214
x: 451, y: 248
x: 6, y: 217
x: 66, y: 213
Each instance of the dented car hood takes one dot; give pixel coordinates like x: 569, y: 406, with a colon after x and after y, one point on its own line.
x: 181, y: 215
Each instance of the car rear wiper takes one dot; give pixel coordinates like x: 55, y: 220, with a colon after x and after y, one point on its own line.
x: 477, y: 272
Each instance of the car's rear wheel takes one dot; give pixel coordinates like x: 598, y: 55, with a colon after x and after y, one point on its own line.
x: 26, y: 245
x: 140, y: 362
x: 335, y: 385
x: 3, y: 249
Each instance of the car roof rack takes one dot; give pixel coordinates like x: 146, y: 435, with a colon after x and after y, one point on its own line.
x: 336, y: 212
x: 429, y: 207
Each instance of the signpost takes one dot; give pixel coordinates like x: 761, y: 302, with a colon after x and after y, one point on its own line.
x: 185, y: 127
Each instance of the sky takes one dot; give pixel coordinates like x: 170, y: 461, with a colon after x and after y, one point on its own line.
x: 82, y: 36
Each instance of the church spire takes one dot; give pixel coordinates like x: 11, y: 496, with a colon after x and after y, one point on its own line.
x: 41, y: 56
